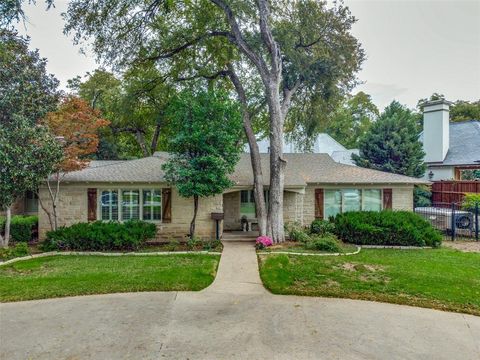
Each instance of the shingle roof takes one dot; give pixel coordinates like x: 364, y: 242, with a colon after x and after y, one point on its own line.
x: 464, y: 143
x: 300, y: 170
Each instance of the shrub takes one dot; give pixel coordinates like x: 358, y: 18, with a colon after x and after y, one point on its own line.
x: 193, y: 242
x: 386, y: 228
x: 328, y: 242
x: 470, y: 200
x: 19, y: 250
x: 212, y: 245
x: 322, y: 227
x: 173, y: 244
x: 21, y: 227
x: 263, y: 242
x: 99, y: 236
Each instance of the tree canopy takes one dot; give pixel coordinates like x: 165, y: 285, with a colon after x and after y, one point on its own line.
x: 26, y: 90
x: 460, y: 110
x: 392, y: 143
x: 290, y: 51
x: 204, y: 142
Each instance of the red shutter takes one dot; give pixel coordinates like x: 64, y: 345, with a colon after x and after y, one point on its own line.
x: 166, y: 205
x: 387, y: 199
x: 92, y: 205
x: 319, y: 204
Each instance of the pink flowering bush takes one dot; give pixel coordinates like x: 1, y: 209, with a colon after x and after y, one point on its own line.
x: 263, y: 242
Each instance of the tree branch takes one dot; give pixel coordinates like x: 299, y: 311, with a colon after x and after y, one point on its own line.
x: 266, y: 33
x: 287, y: 97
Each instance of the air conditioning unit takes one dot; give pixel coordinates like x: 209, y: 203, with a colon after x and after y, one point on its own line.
x: 441, y: 218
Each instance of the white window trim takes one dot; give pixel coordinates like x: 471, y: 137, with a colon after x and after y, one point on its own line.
x: 120, y: 202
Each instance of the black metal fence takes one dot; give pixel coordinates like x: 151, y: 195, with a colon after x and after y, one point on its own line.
x: 453, y: 220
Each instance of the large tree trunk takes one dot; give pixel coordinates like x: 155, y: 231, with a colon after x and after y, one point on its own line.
x: 8, y: 220
x: 195, y: 210
x: 277, y: 165
x: 254, y: 154
x: 141, y: 142
x: 156, y: 135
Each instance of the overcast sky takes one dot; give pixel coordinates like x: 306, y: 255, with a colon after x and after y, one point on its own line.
x: 414, y: 48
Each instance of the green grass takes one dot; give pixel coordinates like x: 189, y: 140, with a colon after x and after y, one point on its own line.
x: 59, y: 276
x: 443, y: 279
x: 297, y: 247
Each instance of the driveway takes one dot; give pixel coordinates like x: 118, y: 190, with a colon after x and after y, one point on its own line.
x: 233, y: 318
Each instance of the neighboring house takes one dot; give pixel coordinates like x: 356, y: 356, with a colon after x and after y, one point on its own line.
x: 323, y: 143
x: 450, y: 147
x: 315, y: 187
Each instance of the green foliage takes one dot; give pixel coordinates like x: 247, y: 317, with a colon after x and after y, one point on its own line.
x: 470, y: 201
x: 392, y: 143
x: 100, y: 236
x: 193, y: 242
x: 26, y: 90
x: 28, y: 155
x: 322, y: 227
x: 22, y: 227
x: 460, y: 110
x: 11, y: 11
x: 173, y: 245
x: 204, y: 142
x: 352, y: 119
x: 19, y: 250
x: 326, y: 242
x: 402, y: 228
x: 422, y: 196
x: 212, y: 245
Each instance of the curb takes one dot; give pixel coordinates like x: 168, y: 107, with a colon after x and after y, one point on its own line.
x: 398, y: 247
x: 93, y: 253
x: 311, y: 254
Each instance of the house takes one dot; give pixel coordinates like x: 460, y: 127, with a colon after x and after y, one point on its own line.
x: 322, y: 144
x: 450, y: 147
x: 315, y: 187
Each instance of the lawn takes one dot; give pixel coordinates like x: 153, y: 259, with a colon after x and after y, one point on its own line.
x: 443, y: 279
x: 59, y: 276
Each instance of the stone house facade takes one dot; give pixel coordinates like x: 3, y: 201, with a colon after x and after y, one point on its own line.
x: 315, y: 187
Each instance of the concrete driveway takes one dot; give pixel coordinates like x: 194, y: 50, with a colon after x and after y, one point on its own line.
x: 233, y: 318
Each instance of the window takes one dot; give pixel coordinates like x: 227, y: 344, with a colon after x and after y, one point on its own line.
x: 247, y: 203
x: 109, y: 205
x: 130, y: 204
x: 338, y: 201
x: 372, y: 200
x: 31, y: 202
x: 333, y: 203
x: 152, y: 204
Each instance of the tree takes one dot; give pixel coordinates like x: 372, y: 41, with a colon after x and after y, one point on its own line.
x: 75, y: 125
x: 293, y: 49
x: 205, y: 133
x: 460, y: 110
x: 135, y: 106
x: 11, y: 11
x: 28, y: 154
x: 352, y: 119
x: 392, y: 143
x: 26, y: 90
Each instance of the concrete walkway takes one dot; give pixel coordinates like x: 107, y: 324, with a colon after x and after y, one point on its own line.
x: 235, y: 318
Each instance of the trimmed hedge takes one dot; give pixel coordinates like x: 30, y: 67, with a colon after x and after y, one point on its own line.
x: 21, y: 227
x: 400, y: 228
x: 100, y: 236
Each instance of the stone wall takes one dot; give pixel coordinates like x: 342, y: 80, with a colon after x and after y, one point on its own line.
x: 18, y: 207
x: 292, y: 207
x: 402, y: 198
x: 73, y: 207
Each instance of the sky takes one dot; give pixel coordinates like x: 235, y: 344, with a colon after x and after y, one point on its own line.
x: 413, y: 48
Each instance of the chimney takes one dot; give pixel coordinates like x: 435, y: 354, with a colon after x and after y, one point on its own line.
x: 436, y: 130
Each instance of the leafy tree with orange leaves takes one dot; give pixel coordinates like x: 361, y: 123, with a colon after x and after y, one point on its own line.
x: 75, y: 124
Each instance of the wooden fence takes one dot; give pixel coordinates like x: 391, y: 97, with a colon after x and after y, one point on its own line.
x: 453, y: 191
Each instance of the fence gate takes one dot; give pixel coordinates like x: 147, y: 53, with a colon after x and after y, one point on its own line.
x: 452, y: 220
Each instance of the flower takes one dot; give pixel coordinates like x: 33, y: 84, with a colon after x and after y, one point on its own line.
x: 264, y: 241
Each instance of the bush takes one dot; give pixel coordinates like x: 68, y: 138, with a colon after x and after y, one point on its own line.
x: 401, y: 228
x: 470, y: 200
x: 322, y: 227
x: 212, y: 245
x: 263, y: 242
x: 328, y: 243
x: 19, y: 250
x: 21, y: 227
x: 193, y: 242
x: 100, y: 236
